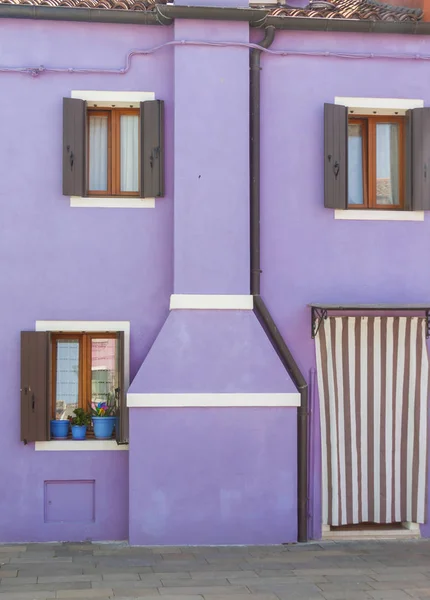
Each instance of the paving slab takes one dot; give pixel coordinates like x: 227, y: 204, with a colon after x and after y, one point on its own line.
x: 342, y: 570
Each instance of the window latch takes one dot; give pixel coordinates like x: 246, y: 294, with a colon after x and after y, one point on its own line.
x: 71, y: 157
x: 336, y: 168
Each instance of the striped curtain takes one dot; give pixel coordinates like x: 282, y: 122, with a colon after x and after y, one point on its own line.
x: 373, y: 377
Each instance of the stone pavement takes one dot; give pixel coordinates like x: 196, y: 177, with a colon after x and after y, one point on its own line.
x: 378, y: 570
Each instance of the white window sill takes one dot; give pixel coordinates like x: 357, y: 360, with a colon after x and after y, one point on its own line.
x: 378, y: 215
x: 127, y: 202
x: 79, y: 445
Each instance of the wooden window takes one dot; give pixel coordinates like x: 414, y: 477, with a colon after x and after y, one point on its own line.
x: 113, y: 151
x: 64, y: 371
x: 376, y: 162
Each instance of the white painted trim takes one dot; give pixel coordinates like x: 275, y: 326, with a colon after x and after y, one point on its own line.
x: 379, y: 106
x: 93, y: 326
x: 211, y: 302
x: 379, y: 215
x: 78, y: 445
x: 82, y: 202
x: 212, y: 400
x: 119, y: 99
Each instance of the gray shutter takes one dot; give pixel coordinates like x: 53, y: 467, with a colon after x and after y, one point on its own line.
x: 335, y: 156
x: 35, y: 386
x: 74, y: 142
x: 121, y: 394
x: 152, y: 149
x: 418, y: 161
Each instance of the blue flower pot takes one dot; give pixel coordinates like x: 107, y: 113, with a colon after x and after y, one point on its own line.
x: 103, y: 427
x: 59, y: 429
x: 79, y: 432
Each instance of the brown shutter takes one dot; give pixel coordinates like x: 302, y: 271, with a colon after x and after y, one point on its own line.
x: 121, y: 394
x: 35, y: 387
x: 74, y: 136
x: 335, y: 156
x: 419, y: 157
x: 152, y: 149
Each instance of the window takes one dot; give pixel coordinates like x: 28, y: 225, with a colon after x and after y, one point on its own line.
x: 61, y: 371
x: 112, y: 149
x: 113, y: 152
x: 376, y: 161
x: 85, y: 370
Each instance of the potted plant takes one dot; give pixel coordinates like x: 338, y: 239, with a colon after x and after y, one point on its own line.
x: 104, y: 418
x: 59, y: 429
x: 79, y: 423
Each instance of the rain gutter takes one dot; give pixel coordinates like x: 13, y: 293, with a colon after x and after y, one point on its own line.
x: 260, y: 308
x: 164, y: 14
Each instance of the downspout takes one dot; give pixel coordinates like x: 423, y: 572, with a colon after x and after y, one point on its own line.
x: 260, y: 308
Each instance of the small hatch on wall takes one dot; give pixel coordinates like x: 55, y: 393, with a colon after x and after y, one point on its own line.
x: 71, y: 501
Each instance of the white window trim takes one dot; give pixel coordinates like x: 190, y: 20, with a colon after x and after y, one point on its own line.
x: 78, y: 445
x: 91, y: 326
x: 378, y: 215
x: 119, y: 100
x: 378, y: 106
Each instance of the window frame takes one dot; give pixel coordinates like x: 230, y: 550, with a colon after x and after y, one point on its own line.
x: 84, y: 377
x: 369, y: 154
x: 114, y: 151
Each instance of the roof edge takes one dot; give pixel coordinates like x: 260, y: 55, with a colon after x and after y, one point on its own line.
x: 165, y: 15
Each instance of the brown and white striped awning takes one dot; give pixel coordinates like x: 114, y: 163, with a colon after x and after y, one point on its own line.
x: 373, y: 378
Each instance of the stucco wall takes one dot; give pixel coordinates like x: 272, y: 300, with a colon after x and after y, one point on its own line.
x: 307, y: 255
x: 63, y: 263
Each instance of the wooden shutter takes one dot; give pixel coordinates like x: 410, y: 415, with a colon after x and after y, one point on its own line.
x: 418, y: 157
x: 121, y: 394
x: 35, y: 386
x: 74, y: 136
x: 152, y: 149
x: 335, y: 156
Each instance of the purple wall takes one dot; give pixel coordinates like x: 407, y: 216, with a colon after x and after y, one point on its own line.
x: 213, y: 475
x: 58, y: 262
x: 196, y: 475
x: 307, y: 256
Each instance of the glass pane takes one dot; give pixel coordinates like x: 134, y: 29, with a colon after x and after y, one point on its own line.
x: 104, y: 375
x: 129, y: 153
x: 67, y: 378
x: 387, y: 163
x: 98, y: 165
x: 355, y: 164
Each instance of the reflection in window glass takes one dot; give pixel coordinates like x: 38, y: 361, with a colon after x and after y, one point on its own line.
x: 355, y: 164
x: 387, y: 163
x: 104, y: 376
x: 67, y: 378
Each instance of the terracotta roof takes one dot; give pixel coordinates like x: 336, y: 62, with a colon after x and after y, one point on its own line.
x: 144, y: 5
x: 367, y: 10
x: 363, y: 10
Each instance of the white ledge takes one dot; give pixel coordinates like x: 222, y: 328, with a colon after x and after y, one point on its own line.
x: 212, y: 400
x: 211, y: 302
x: 78, y: 445
x: 126, y: 202
x: 379, y: 215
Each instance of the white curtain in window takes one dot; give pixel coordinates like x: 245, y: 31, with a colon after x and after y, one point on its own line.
x: 98, y: 153
x: 129, y: 153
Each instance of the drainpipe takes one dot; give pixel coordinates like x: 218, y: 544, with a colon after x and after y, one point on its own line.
x: 260, y: 308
